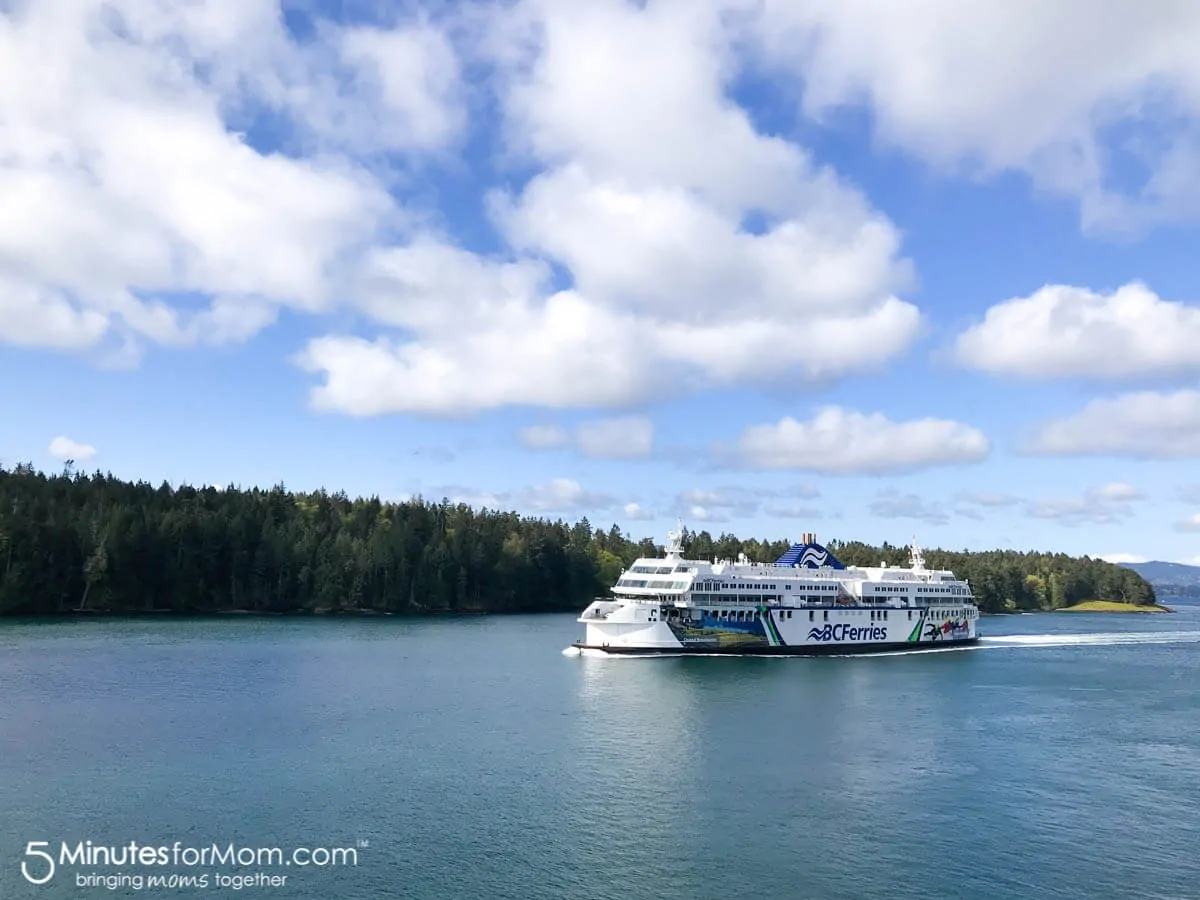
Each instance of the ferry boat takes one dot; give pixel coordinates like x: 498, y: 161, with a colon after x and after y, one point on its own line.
x: 804, y: 603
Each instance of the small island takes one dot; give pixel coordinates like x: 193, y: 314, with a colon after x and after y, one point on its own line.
x: 1111, y: 606
x: 73, y: 544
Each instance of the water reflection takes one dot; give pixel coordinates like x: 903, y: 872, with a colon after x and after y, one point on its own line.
x: 828, y: 740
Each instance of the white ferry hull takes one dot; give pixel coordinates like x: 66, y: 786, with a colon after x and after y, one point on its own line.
x: 775, y: 633
x: 801, y: 650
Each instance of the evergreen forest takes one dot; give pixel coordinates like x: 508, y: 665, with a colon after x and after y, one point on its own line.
x: 72, y: 542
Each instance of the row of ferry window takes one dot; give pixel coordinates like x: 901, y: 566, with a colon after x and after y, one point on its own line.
x: 888, y: 589
x: 734, y: 615
x: 664, y: 585
x: 777, y: 598
x: 657, y: 570
x: 769, y: 598
x: 703, y: 586
x: 750, y: 615
x: 877, y: 615
x: 747, y: 598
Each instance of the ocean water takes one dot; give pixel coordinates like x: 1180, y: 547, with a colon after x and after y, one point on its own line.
x: 472, y: 758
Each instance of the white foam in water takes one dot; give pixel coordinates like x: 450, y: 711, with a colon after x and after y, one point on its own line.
x: 1072, y: 640
x: 1059, y: 640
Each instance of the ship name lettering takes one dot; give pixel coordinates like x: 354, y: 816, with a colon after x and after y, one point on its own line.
x: 843, y: 632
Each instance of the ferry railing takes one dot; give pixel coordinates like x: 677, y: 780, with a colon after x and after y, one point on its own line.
x: 600, y: 609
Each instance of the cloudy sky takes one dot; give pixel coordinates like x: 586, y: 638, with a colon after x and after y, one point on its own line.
x: 846, y: 266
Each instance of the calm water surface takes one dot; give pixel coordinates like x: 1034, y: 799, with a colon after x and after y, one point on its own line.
x: 473, y: 759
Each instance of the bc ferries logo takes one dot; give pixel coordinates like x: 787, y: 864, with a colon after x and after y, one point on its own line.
x: 842, y: 632
x: 814, y: 555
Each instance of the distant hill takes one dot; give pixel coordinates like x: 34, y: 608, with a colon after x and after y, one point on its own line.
x: 1169, y: 577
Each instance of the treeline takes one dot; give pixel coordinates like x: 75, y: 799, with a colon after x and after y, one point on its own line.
x: 74, y: 542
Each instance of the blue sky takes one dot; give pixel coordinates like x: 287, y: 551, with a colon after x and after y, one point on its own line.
x: 771, y: 268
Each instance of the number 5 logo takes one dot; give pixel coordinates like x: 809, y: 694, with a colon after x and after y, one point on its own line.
x: 31, y: 851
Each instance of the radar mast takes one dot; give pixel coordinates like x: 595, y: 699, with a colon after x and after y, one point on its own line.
x: 918, y: 558
x: 675, y: 542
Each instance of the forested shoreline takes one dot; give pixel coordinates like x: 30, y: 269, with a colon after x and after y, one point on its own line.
x: 74, y: 543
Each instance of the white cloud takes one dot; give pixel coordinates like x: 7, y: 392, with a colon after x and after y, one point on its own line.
x: 562, y: 495
x: 587, y: 85
x: 630, y: 437
x: 791, y: 511
x: 134, y: 208
x: 1118, y: 492
x: 1099, y: 505
x: 723, y: 504
x: 36, y: 316
x: 559, y: 495
x: 417, y: 73
x: 645, y: 173
x: 1117, y: 558
x: 1190, y: 493
x: 565, y: 353
x: 543, y: 437
x: 63, y: 448
x: 892, y: 504
x: 1063, y: 331
x: 843, y: 442
x: 1102, y: 505
x: 627, y: 437
x: 668, y: 251
x: 803, y: 491
x: 989, y: 499
x: 472, y: 497
x: 1067, y: 92
x: 1142, y: 425
x: 971, y: 505
x: 1190, y: 524
x: 718, y: 505
x: 636, y: 512
x: 138, y: 210
x: 698, y: 513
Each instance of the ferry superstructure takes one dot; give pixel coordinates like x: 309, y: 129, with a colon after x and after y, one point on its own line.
x: 805, y: 603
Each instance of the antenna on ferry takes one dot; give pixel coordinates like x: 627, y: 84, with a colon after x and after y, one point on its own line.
x: 918, y: 558
x: 675, y: 540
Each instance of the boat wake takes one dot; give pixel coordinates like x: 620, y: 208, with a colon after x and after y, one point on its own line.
x: 1092, y: 640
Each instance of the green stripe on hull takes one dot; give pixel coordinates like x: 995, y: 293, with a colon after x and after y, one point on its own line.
x: 773, y: 635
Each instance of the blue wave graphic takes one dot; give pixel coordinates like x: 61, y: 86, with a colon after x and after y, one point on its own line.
x: 814, y: 556
x: 809, y: 556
